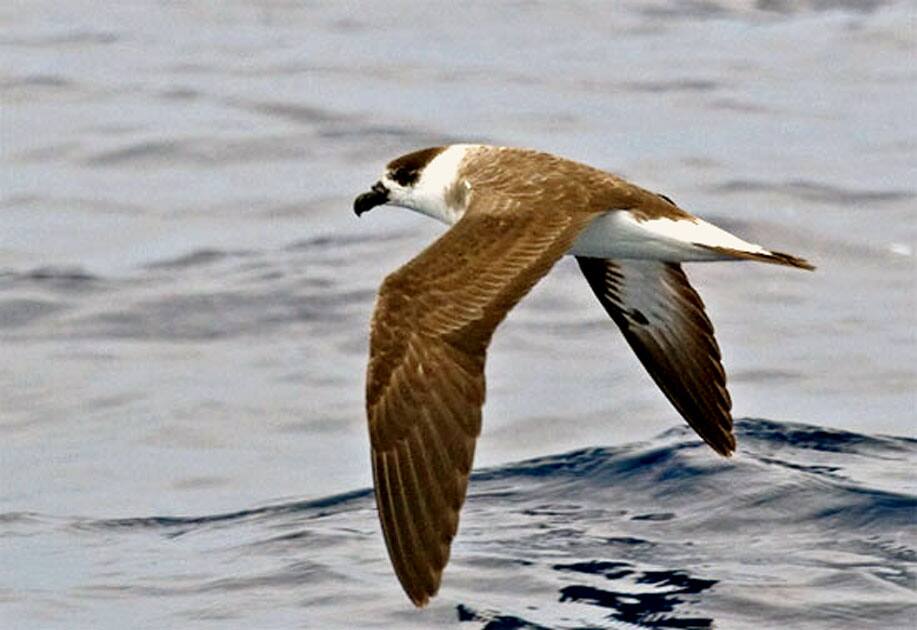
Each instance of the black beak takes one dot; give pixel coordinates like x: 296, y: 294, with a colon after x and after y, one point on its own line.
x: 377, y: 196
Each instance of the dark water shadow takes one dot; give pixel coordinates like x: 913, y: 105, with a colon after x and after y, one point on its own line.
x: 648, y: 608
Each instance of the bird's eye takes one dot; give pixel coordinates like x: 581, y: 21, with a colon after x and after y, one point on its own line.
x: 403, y: 176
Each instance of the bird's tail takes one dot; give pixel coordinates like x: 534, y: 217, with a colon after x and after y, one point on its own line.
x: 774, y: 258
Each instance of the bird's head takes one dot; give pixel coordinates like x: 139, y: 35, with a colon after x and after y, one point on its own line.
x: 423, y: 181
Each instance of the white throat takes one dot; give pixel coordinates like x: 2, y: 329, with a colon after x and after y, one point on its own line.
x: 440, y: 193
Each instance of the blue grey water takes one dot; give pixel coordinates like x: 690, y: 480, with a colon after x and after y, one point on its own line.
x: 185, y: 294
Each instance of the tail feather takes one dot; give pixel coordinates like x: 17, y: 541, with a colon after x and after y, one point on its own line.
x: 774, y: 258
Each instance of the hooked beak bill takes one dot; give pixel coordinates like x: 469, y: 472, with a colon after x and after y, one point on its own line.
x: 377, y: 196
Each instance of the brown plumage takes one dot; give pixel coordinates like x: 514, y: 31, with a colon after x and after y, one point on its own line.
x: 433, y: 321
x: 663, y: 319
x: 434, y: 318
x: 773, y: 258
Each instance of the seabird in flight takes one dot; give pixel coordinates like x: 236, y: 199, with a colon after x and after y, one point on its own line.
x: 513, y: 213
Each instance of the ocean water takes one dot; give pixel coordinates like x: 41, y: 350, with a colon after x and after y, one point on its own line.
x: 807, y: 528
x: 185, y: 295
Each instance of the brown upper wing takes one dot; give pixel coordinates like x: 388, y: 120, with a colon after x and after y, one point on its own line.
x: 663, y: 319
x: 433, y: 321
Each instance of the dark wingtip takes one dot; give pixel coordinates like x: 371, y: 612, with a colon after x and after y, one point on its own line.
x: 728, y: 450
x: 724, y: 444
x: 418, y: 595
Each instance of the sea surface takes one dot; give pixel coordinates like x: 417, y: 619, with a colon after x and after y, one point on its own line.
x: 185, y: 295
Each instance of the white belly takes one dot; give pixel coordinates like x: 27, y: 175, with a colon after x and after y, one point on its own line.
x: 617, y: 234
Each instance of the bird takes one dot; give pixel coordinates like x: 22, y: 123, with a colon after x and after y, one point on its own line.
x: 513, y: 213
